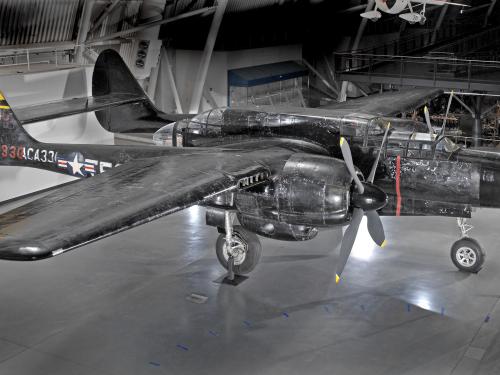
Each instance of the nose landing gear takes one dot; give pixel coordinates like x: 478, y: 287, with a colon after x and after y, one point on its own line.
x: 466, y: 254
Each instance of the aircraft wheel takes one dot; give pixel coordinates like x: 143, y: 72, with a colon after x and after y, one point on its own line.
x: 467, y: 255
x: 246, y: 248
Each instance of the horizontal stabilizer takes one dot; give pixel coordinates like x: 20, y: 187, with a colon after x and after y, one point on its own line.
x: 67, y: 107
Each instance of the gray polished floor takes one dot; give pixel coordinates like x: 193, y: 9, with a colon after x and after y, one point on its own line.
x: 119, y: 306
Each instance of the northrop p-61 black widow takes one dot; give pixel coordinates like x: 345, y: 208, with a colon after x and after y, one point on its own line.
x: 281, y: 173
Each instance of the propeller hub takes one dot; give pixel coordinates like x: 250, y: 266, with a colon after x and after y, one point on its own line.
x: 372, y: 199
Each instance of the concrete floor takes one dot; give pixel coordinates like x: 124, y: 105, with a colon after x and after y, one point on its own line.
x: 119, y: 306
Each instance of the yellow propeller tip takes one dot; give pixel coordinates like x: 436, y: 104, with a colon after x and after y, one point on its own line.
x: 426, y: 109
x: 342, y: 139
x: 384, y: 243
x: 337, y: 279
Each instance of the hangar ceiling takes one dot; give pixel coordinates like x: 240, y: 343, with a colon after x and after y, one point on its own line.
x: 28, y: 22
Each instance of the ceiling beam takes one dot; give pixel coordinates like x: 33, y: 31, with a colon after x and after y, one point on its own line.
x: 119, y: 34
x: 488, y: 13
x: 201, y: 76
x: 107, y: 12
x: 83, y: 30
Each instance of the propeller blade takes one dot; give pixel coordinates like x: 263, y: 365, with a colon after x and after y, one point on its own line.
x: 428, y: 121
x: 346, y: 153
x: 375, y: 228
x: 447, y: 112
x: 348, y: 242
x: 371, y: 177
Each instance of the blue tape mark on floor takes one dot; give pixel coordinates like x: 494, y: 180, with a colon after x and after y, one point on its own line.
x: 327, y: 309
x: 285, y: 314
x: 183, y: 347
x: 156, y: 364
x: 408, y: 307
x: 487, y: 319
x: 442, y: 311
x: 213, y: 333
x: 362, y: 307
x: 247, y: 323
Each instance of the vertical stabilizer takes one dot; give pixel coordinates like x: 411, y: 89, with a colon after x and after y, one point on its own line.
x: 13, y: 138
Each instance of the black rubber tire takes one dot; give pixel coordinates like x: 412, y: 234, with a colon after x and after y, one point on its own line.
x: 474, y: 246
x: 253, y: 253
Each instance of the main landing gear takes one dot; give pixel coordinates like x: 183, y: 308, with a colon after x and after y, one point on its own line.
x: 466, y: 253
x: 238, y: 249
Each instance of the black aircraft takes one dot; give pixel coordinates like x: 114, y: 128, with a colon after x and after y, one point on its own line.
x: 281, y: 173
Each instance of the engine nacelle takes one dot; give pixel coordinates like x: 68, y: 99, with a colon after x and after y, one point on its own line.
x: 312, y: 190
x: 276, y: 230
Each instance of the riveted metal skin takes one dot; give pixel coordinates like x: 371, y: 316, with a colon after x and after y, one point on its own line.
x: 277, y: 230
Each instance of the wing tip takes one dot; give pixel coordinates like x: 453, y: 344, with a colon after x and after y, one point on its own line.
x: 23, y: 252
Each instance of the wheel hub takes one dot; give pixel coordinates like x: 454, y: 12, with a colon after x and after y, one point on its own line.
x: 238, y: 250
x: 466, y: 257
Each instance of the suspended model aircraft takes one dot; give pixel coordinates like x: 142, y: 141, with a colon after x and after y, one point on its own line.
x: 280, y: 174
x: 398, y: 6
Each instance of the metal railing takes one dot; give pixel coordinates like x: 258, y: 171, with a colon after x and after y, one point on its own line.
x: 462, y: 42
x: 32, y: 56
x: 470, y: 141
x: 42, y: 55
x: 463, y: 46
x: 399, y: 46
x: 433, y: 69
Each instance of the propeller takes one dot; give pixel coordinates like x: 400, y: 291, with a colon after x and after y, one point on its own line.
x: 447, y: 112
x: 428, y: 122
x: 346, y: 153
x: 371, y: 177
x: 366, y: 200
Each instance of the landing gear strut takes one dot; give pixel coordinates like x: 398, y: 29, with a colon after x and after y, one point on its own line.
x: 238, y: 249
x: 466, y: 253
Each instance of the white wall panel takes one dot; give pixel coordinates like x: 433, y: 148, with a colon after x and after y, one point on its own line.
x: 35, y: 88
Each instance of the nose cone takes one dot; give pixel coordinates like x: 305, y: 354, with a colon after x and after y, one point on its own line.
x: 372, y: 199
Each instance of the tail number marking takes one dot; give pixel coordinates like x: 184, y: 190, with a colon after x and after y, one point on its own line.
x: 31, y: 154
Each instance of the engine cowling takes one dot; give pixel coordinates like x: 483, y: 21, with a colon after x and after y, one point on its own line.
x: 277, y: 230
x: 312, y: 191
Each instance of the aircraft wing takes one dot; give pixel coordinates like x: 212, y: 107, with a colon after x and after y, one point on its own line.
x: 127, y: 196
x: 438, y: 2
x: 389, y: 103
